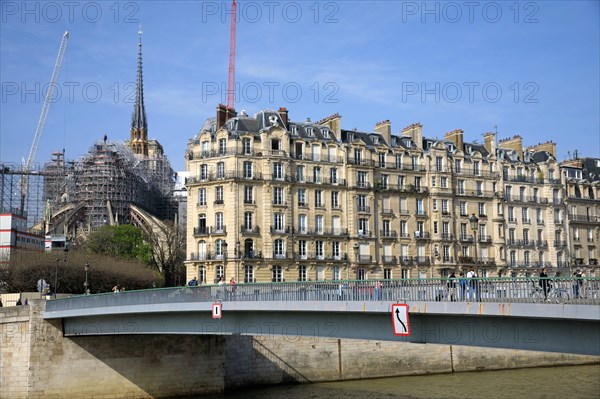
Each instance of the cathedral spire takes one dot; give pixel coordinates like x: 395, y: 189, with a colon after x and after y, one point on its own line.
x: 138, y: 120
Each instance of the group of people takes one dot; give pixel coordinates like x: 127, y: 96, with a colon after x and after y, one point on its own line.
x: 546, y: 283
x: 466, y: 284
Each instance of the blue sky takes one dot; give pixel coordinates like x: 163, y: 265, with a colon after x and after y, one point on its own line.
x: 527, y: 68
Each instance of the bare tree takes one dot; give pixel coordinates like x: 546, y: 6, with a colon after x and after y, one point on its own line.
x: 168, y: 251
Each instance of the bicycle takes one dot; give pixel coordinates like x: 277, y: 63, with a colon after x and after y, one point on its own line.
x: 558, y: 295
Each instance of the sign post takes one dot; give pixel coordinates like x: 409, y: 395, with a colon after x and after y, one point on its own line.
x: 400, y: 319
x: 217, y: 310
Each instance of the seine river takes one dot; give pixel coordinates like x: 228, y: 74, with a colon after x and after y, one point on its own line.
x: 571, y: 382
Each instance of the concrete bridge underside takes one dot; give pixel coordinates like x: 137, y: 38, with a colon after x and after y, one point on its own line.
x: 549, y: 328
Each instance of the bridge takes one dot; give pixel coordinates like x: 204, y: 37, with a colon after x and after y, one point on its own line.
x: 500, y: 314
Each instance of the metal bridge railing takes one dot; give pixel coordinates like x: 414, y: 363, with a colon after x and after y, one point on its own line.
x: 582, y: 291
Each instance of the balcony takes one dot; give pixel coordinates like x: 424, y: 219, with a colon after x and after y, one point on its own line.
x: 422, y: 260
x: 387, y: 212
x: 560, y: 243
x: 584, y: 218
x: 364, y: 258
x: 250, y: 230
x: 363, y: 209
x: 421, y: 214
x: 447, y: 237
x: 364, y: 233
x: 249, y: 255
x: 485, y: 239
x: 201, y: 256
x: 388, y: 259
x: 388, y: 234
x: 200, y: 231
x: 280, y: 230
x: 541, y: 244
x: 218, y: 202
x: 466, y: 238
x: 422, y: 235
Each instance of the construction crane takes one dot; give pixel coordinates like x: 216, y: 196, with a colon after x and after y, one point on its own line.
x: 231, y: 78
x: 42, y: 121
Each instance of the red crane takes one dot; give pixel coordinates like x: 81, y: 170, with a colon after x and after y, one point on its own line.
x: 231, y: 78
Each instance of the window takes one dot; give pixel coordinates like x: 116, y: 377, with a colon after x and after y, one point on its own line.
x: 381, y: 159
x: 220, y: 170
x: 434, y: 204
x: 317, y: 174
x: 439, y: 164
x: 513, y: 258
x: 361, y: 178
x: 205, y: 149
x: 247, y: 170
x: 302, y: 249
x: 219, y: 273
x: 384, y: 182
x: 435, y: 227
x: 219, y: 195
x: 387, y: 274
x: 300, y: 173
x: 247, y: 146
x: 301, y: 197
x: 333, y: 176
x: 319, y: 198
x: 444, y: 182
x: 363, y: 226
x: 278, y: 171
x: 335, y: 199
x: 463, y: 208
x: 248, y: 194
x: 319, y: 224
x: 203, y: 172
x: 336, y: 273
x: 325, y: 133
x: 420, y: 209
x: 525, y: 214
x: 445, y: 209
x: 219, y: 222
x: 222, y: 146
x: 278, y: 196
x: 511, y: 236
x: 275, y: 144
x: 248, y: 274
x: 433, y: 181
x: 461, y: 187
x: 511, y: 213
x: 357, y: 156
x: 279, y: 222
x: 202, y: 274
x: 479, y: 186
x: 277, y: 274
x: 319, y: 250
x: 201, y: 196
x: 279, y: 248
x: 219, y: 249
x: 335, y: 251
x: 525, y: 236
x: 415, y: 162
x: 482, y: 209
x: 309, y: 132
x: 302, y: 223
x: 476, y: 170
x: 457, y: 166
x: 446, y: 253
x: 362, y: 202
x: 248, y: 220
x: 417, y: 183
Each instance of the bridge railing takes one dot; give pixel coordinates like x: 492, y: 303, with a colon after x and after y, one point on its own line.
x: 584, y: 291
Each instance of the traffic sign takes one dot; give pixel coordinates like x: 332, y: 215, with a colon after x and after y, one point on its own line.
x: 400, y: 319
x: 217, y: 310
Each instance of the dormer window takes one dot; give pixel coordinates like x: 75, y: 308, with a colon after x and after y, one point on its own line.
x: 294, y: 129
x: 350, y: 137
x: 376, y: 140
x: 325, y: 133
x: 309, y: 131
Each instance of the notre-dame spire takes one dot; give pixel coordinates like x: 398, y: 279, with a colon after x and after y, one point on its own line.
x: 139, y: 125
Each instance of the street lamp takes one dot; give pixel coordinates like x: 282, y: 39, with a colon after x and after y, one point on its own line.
x: 87, y: 269
x: 474, y: 221
x: 355, y: 248
x: 224, y: 249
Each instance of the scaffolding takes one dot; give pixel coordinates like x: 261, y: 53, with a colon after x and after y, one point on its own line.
x: 107, y: 180
x: 12, y: 178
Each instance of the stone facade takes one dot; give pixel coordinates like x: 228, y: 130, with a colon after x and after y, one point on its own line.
x: 276, y: 200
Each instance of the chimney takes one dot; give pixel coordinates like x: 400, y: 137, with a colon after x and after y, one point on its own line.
x: 334, y: 122
x: 548, y: 146
x: 385, y: 129
x: 223, y: 114
x: 415, y: 132
x: 456, y: 136
x: 489, y: 142
x: 283, y: 113
x: 514, y: 143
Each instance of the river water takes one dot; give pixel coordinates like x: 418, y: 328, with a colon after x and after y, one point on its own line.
x: 572, y: 382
